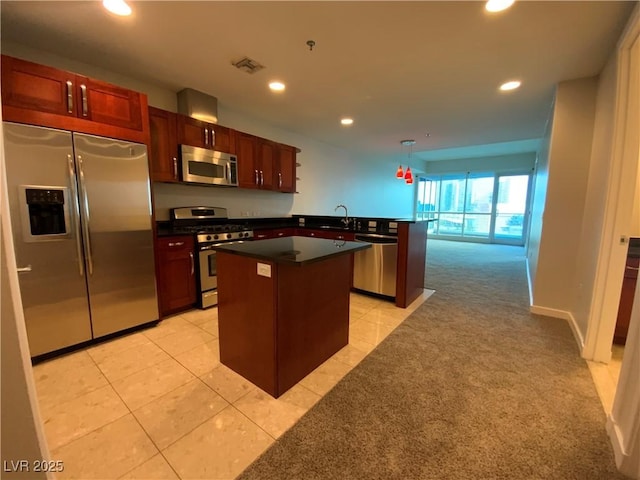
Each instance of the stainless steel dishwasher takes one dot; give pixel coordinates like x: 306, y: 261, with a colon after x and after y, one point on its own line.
x: 374, y: 269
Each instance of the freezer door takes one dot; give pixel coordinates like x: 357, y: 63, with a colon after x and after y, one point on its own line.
x: 115, y: 207
x: 52, y: 282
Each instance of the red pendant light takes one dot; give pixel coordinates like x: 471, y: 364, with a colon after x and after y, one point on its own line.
x: 408, y: 176
x: 399, y: 173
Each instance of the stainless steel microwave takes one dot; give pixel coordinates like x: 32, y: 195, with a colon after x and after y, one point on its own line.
x: 209, y: 167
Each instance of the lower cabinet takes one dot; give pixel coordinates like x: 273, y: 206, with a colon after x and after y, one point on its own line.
x: 273, y: 233
x: 321, y: 233
x: 176, y: 273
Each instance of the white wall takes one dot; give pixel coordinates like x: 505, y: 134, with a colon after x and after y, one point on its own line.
x: 561, y: 218
x: 500, y: 163
x: 594, y: 208
x: 538, y: 201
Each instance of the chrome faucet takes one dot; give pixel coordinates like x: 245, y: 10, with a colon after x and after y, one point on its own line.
x: 346, y: 218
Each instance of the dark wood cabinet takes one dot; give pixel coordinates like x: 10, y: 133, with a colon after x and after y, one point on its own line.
x: 163, y: 155
x: 41, y: 95
x: 626, y: 300
x: 197, y: 133
x: 264, y: 164
x: 322, y: 233
x: 274, y: 233
x: 176, y: 273
x: 256, y: 157
x: 285, y: 180
x: 248, y: 174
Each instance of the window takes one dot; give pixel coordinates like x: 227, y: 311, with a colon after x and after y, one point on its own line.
x: 485, y: 206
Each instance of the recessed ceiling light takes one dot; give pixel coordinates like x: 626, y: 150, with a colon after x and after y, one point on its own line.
x: 119, y: 7
x: 512, y: 85
x: 498, y: 5
x: 346, y: 121
x: 277, y: 86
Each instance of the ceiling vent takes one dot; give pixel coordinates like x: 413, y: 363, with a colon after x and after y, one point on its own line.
x: 198, y: 105
x: 248, y: 65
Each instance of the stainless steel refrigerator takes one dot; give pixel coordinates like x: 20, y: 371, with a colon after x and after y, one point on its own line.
x: 81, y: 218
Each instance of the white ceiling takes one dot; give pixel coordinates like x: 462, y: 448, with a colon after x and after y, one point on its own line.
x: 400, y: 69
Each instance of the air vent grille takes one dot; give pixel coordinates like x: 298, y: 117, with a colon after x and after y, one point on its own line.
x: 248, y: 65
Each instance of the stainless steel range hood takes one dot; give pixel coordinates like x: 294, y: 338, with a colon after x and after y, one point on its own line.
x: 198, y: 105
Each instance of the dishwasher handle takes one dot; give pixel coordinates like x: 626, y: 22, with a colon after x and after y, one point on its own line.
x: 376, y: 238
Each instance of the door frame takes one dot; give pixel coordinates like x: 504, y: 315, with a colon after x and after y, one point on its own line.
x: 618, y: 210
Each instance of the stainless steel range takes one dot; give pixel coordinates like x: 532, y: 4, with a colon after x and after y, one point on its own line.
x: 211, y: 226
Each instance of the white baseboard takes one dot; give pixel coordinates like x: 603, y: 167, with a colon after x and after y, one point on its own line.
x: 564, y: 315
x: 529, y: 283
x: 550, y: 312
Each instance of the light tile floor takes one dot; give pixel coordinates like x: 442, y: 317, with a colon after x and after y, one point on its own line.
x: 158, y: 404
x: 605, y: 377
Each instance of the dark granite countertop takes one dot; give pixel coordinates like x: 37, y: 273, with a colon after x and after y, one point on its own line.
x: 293, y: 250
x: 331, y: 223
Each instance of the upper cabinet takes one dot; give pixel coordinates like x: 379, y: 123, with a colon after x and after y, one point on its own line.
x: 41, y: 95
x: 197, y: 133
x: 286, y: 168
x: 264, y: 164
x: 163, y: 156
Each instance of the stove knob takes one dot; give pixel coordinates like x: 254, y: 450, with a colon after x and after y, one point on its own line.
x: 215, y: 237
x: 246, y: 234
x: 208, y: 237
x: 228, y: 235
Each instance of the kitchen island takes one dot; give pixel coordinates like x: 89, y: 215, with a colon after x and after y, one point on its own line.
x: 283, y: 306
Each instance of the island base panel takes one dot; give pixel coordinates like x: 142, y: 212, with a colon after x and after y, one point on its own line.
x: 246, y: 311
x: 313, y: 316
x: 276, y: 330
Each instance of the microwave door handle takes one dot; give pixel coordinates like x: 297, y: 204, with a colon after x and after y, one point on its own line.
x: 227, y: 169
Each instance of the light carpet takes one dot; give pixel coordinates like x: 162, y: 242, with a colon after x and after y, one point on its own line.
x: 470, y: 386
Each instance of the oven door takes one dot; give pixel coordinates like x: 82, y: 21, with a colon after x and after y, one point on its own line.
x: 208, y: 277
x: 208, y: 274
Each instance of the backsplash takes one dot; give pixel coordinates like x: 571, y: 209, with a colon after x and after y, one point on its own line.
x: 238, y: 202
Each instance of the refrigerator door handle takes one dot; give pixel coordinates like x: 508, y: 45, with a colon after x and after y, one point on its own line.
x: 76, y: 213
x: 85, y: 223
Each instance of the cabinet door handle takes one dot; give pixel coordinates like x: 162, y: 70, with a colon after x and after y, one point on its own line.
x: 175, y: 168
x: 69, y: 96
x: 206, y: 137
x: 633, y: 268
x: 192, y: 263
x: 261, y: 178
x: 280, y: 234
x: 256, y: 172
x: 279, y: 179
x: 176, y: 244
x: 85, y: 101
x: 24, y: 269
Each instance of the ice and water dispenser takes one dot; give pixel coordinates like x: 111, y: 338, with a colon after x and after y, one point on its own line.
x: 45, y: 213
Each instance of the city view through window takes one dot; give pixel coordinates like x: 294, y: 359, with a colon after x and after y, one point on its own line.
x: 484, y: 206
